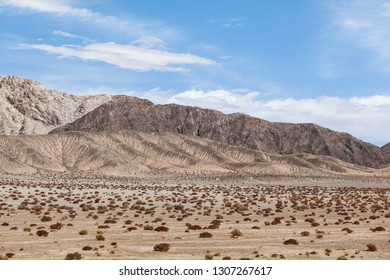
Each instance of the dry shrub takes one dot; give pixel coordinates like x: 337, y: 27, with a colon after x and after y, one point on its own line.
x: 194, y: 227
x: 46, y: 219
x: 305, y: 233
x: 56, y: 226
x: 208, y: 257
x: 83, y: 232
x: 148, y: 227
x: 131, y: 228
x: 100, y: 237
x: 205, y: 235
x: 291, y: 242
x: 162, y: 247
x: 161, y: 229
x: 42, y: 232
x: 372, y: 247
x: 236, y: 233
x: 377, y: 229
x: 73, y: 256
x: 347, y: 230
x: 9, y: 255
x: 104, y: 226
x: 87, y: 248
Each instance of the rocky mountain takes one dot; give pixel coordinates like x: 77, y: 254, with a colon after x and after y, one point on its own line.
x: 26, y: 107
x: 131, y: 113
x: 126, y: 152
x: 386, y: 148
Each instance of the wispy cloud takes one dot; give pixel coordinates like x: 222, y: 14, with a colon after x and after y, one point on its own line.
x: 125, y: 27
x: 366, y: 24
x: 233, y: 23
x: 61, y: 7
x: 71, y: 36
x: 150, y: 42
x: 127, y: 56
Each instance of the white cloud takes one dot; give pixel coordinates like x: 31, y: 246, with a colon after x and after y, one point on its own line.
x: 367, y: 24
x: 48, y: 6
x: 363, y: 117
x: 65, y: 34
x: 127, y: 56
x: 150, y: 42
x: 233, y: 23
x: 125, y: 27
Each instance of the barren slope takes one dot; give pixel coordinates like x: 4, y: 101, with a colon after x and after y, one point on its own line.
x: 26, y: 107
x: 125, y: 152
x: 131, y: 113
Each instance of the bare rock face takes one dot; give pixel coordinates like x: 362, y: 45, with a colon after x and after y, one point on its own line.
x: 386, y: 150
x: 131, y: 113
x: 26, y: 107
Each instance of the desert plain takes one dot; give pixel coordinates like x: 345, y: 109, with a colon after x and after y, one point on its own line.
x: 194, y: 215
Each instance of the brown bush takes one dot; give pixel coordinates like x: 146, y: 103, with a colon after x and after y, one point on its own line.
x: 83, y: 232
x: 205, y: 235
x: 148, y: 227
x: 161, y: 229
x: 73, y: 256
x: 291, y: 242
x: 46, y: 219
x: 56, y: 226
x: 372, y: 247
x: 9, y: 255
x: 87, y: 248
x: 100, y: 237
x: 377, y: 229
x: 162, y: 247
x: 42, y: 232
x: 194, y: 227
x: 236, y: 233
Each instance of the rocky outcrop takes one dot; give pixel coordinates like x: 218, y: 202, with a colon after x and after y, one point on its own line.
x: 26, y: 107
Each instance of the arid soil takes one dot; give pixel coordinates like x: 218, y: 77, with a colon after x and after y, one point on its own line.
x: 194, y: 216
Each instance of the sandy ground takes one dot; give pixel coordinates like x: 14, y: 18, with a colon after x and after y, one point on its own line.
x: 238, y: 216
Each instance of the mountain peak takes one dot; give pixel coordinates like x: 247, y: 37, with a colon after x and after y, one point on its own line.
x: 27, y: 107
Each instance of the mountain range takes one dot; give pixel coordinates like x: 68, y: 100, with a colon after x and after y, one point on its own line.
x: 118, y: 134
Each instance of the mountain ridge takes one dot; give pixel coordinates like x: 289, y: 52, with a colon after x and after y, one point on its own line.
x: 131, y: 113
x: 27, y: 107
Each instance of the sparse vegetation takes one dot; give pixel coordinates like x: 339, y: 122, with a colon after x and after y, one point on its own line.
x: 162, y: 247
x: 100, y: 237
x: 291, y: 242
x: 73, y: 256
x: 236, y: 233
x: 372, y: 247
x: 205, y: 235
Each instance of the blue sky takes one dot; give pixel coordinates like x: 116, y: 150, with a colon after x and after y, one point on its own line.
x: 326, y: 62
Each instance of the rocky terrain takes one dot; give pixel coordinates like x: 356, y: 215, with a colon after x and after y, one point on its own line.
x: 26, y: 107
x: 131, y: 113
